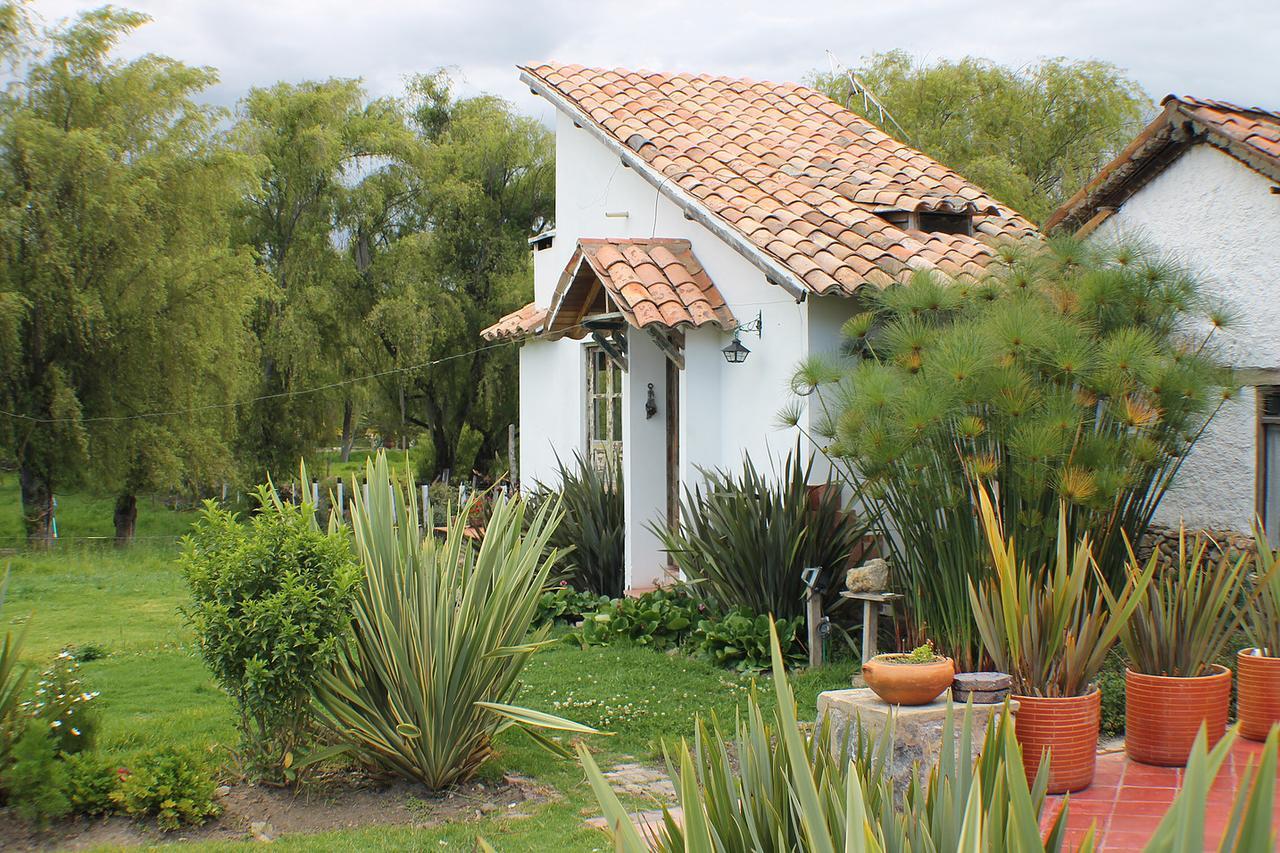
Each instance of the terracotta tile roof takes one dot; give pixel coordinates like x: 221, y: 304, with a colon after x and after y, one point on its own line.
x: 1250, y: 134
x: 518, y: 324
x: 797, y: 175
x: 651, y: 282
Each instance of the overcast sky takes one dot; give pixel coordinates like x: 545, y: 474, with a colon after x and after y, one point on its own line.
x: 1204, y: 48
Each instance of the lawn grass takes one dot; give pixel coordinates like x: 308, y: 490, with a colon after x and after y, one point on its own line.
x: 155, y: 690
x: 82, y: 517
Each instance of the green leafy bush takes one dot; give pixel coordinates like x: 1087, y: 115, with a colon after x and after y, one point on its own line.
x: 565, y: 604
x: 591, y: 536
x: 63, y: 706
x: 740, y: 640
x: 745, y: 539
x: 443, y: 629
x: 174, y: 786
x: 91, y: 777
x: 35, y: 782
x: 1070, y: 373
x: 661, y: 618
x: 270, y: 603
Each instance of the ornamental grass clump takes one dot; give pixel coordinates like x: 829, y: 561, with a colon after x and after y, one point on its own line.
x: 591, y: 537
x: 1070, y: 374
x: 442, y: 630
x: 1262, y: 622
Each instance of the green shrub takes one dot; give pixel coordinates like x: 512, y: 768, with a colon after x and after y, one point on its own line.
x: 91, y: 778
x: 591, y: 536
x: 13, y: 680
x: 1068, y: 373
x: 64, y: 707
x: 661, y: 618
x: 270, y: 603
x: 746, y: 539
x: 740, y: 640
x: 567, y: 605
x: 174, y: 786
x: 35, y: 782
x: 443, y: 629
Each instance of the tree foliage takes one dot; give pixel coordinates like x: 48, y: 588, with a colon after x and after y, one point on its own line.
x: 120, y: 290
x: 1030, y: 136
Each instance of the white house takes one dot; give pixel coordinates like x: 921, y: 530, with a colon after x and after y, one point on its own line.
x: 693, y: 212
x: 1202, y: 183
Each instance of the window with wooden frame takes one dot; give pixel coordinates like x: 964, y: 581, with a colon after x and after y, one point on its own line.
x: 1269, y: 461
x: 604, y: 409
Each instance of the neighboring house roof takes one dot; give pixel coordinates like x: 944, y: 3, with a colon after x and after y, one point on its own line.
x: 786, y: 176
x: 654, y: 282
x: 1250, y: 134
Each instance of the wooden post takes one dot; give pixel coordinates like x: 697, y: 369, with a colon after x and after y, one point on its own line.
x: 342, y: 499
x: 513, y: 474
x: 426, y: 508
x: 813, y: 612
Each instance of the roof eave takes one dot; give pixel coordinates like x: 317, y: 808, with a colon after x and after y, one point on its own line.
x: 773, y: 270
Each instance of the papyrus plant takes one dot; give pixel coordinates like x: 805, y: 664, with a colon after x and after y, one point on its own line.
x: 442, y: 630
x: 1050, y: 627
x: 1262, y: 626
x: 1189, y: 612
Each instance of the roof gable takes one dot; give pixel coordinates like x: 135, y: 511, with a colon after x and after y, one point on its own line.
x: 1249, y: 134
x: 787, y: 177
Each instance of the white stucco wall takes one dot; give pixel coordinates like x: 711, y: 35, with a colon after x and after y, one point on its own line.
x: 1218, y: 217
x: 727, y: 411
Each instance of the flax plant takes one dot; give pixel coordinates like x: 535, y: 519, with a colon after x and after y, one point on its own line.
x: 1262, y: 626
x: 1189, y: 612
x: 1069, y: 374
x: 443, y: 629
x: 1049, y: 626
x: 13, y: 679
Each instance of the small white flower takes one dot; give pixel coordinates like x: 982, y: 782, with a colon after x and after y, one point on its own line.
x: 55, y: 724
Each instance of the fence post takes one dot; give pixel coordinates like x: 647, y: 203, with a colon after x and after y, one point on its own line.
x: 513, y: 474
x: 364, y: 490
x: 426, y: 509
x: 342, y: 500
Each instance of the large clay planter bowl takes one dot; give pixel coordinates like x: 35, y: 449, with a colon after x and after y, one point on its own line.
x: 901, y: 683
x: 1258, y: 696
x: 1162, y: 715
x: 1068, y: 727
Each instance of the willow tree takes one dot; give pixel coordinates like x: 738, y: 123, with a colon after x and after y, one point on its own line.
x: 121, y: 298
x: 1071, y: 374
x: 1030, y: 136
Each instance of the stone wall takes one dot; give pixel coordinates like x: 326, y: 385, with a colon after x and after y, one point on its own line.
x: 1166, y: 540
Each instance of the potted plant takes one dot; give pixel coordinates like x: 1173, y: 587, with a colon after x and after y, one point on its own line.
x: 1050, y: 628
x: 1180, y: 629
x: 1258, y: 668
x: 914, y: 678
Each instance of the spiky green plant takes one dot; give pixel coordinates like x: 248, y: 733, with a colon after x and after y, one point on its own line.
x: 591, y: 537
x: 1262, y: 626
x: 786, y: 792
x: 13, y: 679
x: 1049, y: 626
x: 1069, y: 373
x: 746, y: 538
x: 442, y: 631
x: 1189, y: 612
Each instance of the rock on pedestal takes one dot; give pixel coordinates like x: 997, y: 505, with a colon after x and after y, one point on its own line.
x: 917, y: 730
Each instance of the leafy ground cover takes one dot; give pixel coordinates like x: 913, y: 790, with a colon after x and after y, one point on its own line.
x: 121, y: 606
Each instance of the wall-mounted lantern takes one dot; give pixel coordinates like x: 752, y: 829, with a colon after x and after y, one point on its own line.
x: 735, y: 352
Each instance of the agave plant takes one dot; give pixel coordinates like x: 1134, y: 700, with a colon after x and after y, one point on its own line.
x: 1188, y: 613
x: 1049, y: 627
x: 786, y: 792
x: 1263, y: 623
x: 745, y: 539
x: 442, y: 631
x: 591, y: 537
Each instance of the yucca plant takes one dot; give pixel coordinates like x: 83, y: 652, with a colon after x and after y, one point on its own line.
x: 1262, y: 625
x: 1067, y: 374
x: 442, y: 630
x: 592, y: 535
x: 1189, y: 612
x: 786, y: 792
x: 746, y: 538
x: 1049, y: 627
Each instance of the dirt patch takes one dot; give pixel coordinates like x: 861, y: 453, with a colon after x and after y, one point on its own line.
x: 341, y: 801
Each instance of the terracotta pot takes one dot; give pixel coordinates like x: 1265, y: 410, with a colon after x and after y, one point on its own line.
x: 901, y: 683
x: 1258, y: 700
x: 1162, y: 715
x: 1068, y: 726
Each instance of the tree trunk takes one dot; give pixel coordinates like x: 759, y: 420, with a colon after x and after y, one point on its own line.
x: 37, y: 506
x: 348, y: 428
x: 126, y: 518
